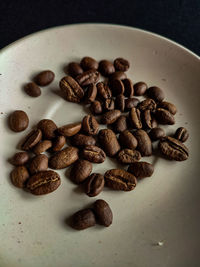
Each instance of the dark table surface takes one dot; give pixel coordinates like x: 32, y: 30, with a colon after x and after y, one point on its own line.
x: 178, y: 20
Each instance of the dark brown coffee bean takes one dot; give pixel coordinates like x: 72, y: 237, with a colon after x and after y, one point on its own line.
x: 38, y: 163
x: 103, y: 212
x: 120, y: 102
x: 181, y: 134
x: 83, y: 219
x: 163, y: 116
x: 127, y: 140
x: 96, y: 107
x: 74, y: 69
x: 144, y: 143
x: 58, y: 143
x: 103, y: 90
x: 173, y: 149
x: 156, y: 93
x: 118, y: 75
x: 32, y: 89
x: 18, y: 121
x: 82, y: 140
x: 121, y: 64
x: 118, y: 179
x: 71, y: 89
x: 44, y: 78
x: 64, y: 158
x: 19, y: 158
x: 94, y: 184
x: 90, y: 94
x: 43, y: 182
x: 88, y: 63
x: 168, y: 106
x: 117, y: 87
x: 42, y: 147
x: 141, y: 169
x: 88, y: 77
x: 69, y: 129
x: 106, y: 68
x: 32, y: 139
x: 140, y: 88
x: 120, y: 124
x: 109, y: 104
x: 108, y: 141
x: 129, y: 89
x: 147, y: 104
x: 131, y: 103
x: 156, y: 133
x: 110, y: 116
x: 80, y: 171
x: 90, y: 125
x: 128, y: 156
x: 147, y: 119
x: 135, y: 119
x: 19, y: 176
x: 94, y: 154
x: 48, y: 128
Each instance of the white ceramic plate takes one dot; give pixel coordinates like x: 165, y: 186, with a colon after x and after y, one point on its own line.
x: 163, y: 208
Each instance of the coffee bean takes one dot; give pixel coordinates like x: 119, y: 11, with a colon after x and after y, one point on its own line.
x: 94, y: 184
x: 96, y: 107
x: 48, y: 128
x: 118, y: 75
x: 140, y: 88
x: 135, y: 119
x: 156, y: 134
x: 181, y: 134
x: 120, y: 124
x: 82, y: 140
x: 147, y: 119
x: 147, y: 104
x: 156, y: 93
x: 88, y: 77
x: 103, y: 212
x: 121, y: 64
x: 108, y: 141
x: 32, y: 139
x: 19, y: 158
x: 64, y: 158
x: 32, y: 89
x: 103, y: 90
x: 80, y: 171
x: 71, y: 89
x: 91, y: 94
x: 69, y: 129
x: 19, y: 176
x: 117, y: 87
x: 106, y: 68
x: 118, y: 179
x: 141, y: 169
x: 173, y: 149
x: 38, y: 163
x: 110, y: 116
x: 58, y: 143
x: 74, y: 69
x: 18, y: 121
x: 144, y: 143
x: 109, y: 104
x: 94, y: 154
x: 128, y: 156
x: 129, y: 89
x: 127, y: 140
x: 163, y: 116
x: 120, y: 102
x: 83, y: 219
x: 43, y: 182
x: 131, y: 103
x: 44, y: 78
x: 42, y: 147
x: 88, y: 63
x: 168, y: 106
x: 90, y: 125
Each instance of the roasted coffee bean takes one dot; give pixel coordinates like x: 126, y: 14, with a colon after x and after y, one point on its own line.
x: 140, y: 88
x: 156, y: 93
x: 118, y: 75
x: 58, y: 143
x: 156, y: 134
x: 131, y: 103
x: 109, y: 104
x: 82, y: 140
x: 103, y: 90
x: 94, y: 154
x: 43, y: 182
x: 42, y: 147
x: 163, y: 116
x: 96, y: 107
x: 19, y: 176
x: 94, y: 184
x: 181, y: 134
x: 120, y: 124
x: 91, y: 94
x: 168, y: 106
x: 44, y: 78
x: 71, y: 89
x: 120, y: 102
x: 64, y: 158
x: 127, y: 140
x: 129, y: 89
x: 88, y: 77
x: 173, y: 149
x: 110, y: 116
x: 108, y: 141
x: 32, y: 139
x: 69, y: 129
x: 48, y: 128
x: 147, y: 119
x: 80, y: 171
x: 118, y: 179
x: 141, y: 169
x: 135, y: 119
x: 18, y: 121
x: 90, y: 125
x: 106, y: 68
x: 117, y: 87
x: 32, y: 89
x: 103, y: 212
x: 128, y: 156
x: 83, y: 219
x: 144, y: 143
x: 19, y: 158
x: 147, y: 104
x: 121, y: 64
x: 74, y: 69
x: 38, y: 163
x: 88, y: 63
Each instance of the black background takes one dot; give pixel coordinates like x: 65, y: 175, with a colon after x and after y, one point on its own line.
x: 178, y: 20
